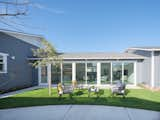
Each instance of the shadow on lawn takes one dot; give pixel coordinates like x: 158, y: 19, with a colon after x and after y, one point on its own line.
x: 132, y: 102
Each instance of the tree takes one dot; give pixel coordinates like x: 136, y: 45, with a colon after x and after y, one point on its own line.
x: 47, y: 55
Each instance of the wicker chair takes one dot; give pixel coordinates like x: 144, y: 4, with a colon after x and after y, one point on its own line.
x: 119, y: 89
x: 93, y: 89
x: 63, y: 89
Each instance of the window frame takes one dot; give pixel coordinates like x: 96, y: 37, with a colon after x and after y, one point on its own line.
x: 4, y: 63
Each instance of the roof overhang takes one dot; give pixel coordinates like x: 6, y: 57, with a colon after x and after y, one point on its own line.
x: 28, y: 38
x: 144, y: 49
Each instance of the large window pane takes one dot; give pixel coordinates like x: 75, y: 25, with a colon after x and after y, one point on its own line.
x: 117, y: 72
x: 43, y: 74
x: 80, y: 73
x: 91, y: 73
x: 105, y: 73
x: 56, y: 74
x: 67, y: 73
x: 129, y: 73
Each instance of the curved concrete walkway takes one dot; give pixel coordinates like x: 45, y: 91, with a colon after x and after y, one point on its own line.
x: 77, y: 112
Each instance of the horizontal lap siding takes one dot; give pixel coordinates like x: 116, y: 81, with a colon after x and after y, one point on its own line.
x: 143, y: 67
x: 20, y: 73
x: 157, y: 69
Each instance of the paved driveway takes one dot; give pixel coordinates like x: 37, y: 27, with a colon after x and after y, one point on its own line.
x: 77, y: 112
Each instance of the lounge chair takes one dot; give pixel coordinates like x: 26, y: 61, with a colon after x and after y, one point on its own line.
x: 94, y: 89
x: 64, y: 89
x: 118, y: 89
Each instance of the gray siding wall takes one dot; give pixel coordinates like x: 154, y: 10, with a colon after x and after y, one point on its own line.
x: 19, y: 72
x: 143, y: 67
x: 157, y: 69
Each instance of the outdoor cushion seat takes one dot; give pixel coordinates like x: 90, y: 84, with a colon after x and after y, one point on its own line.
x: 64, y: 89
x: 67, y: 89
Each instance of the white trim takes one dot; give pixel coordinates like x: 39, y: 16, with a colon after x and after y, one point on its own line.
x: 122, y: 71
x: 98, y: 73
x: 111, y: 74
x: 61, y: 72
x: 89, y: 61
x: 135, y: 73
x: 144, y: 49
x: 106, y: 58
x: 73, y: 71
x: 152, y: 68
x: 86, y: 71
x: 4, y: 54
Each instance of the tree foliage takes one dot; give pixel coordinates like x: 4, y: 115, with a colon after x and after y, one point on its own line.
x: 46, y: 54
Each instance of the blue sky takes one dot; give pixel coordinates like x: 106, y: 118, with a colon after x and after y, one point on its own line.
x: 94, y: 25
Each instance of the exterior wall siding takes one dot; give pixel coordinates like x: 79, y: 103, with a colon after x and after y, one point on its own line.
x: 19, y: 72
x: 157, y: 69
x: 143, y: 67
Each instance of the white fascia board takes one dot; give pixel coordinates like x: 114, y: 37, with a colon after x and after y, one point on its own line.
x: 109, y: 58
x: 144, y: 49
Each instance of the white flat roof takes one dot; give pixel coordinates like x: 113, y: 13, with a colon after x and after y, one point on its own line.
x: 100, y: 55
x: 155, y: 48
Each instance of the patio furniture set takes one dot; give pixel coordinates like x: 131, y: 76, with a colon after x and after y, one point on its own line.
x: 117, y: 89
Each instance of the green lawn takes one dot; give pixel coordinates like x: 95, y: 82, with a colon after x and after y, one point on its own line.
x: 137, y: 98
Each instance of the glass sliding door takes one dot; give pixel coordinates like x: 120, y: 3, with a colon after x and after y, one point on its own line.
x: 129, y: 73
x: 56, y: 74
x: 91, y: 73
x: 67, y: 73
x: 80, y: 73
x: 43, y: 74
x: 105, y: 73
x: 116, y: 72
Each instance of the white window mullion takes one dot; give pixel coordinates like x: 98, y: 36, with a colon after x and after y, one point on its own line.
x: 73, y: 71
x: 61, y: 72
x: 122, y: 72
x: 86, y: 72
x: 98, y: 73
x: 135, y: 73
x: 111, y: 73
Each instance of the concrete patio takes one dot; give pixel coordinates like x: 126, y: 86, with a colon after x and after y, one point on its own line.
x: 77, y: 112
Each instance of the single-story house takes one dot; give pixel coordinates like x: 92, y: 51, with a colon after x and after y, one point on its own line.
x: 137, y: 65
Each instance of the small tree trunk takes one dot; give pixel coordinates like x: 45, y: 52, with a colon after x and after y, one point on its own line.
x: 49, y: 79
x: 50, y: 87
